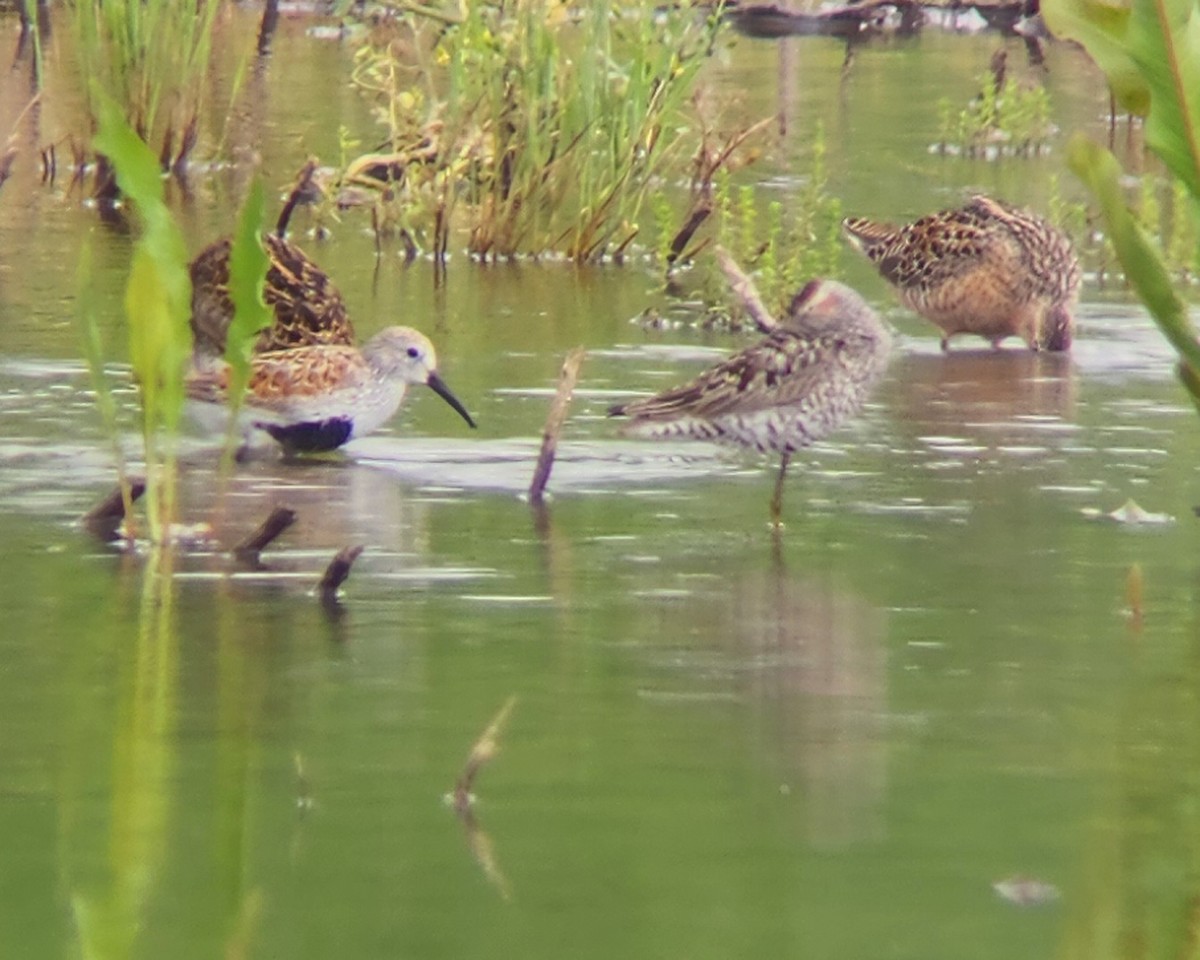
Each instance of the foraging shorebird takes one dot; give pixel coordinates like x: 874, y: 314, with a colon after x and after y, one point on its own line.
x: 316, y: 398
x: 985, y: 268
x: 310, y: 388
x: 808, y: 375
x: 308, y: 309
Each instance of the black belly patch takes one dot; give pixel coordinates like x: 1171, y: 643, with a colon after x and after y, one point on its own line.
x: 310, y: 436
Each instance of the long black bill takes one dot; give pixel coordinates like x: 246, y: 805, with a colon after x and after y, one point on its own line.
x: 438, y: 386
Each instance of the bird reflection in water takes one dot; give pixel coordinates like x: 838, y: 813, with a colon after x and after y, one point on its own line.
x: 982, y: 405
x: 818, y: 678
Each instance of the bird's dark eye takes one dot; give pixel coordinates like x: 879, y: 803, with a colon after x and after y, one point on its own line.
x: 414, y: 352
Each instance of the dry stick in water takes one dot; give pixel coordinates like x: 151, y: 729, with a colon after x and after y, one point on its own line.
x: 743, y: 288
x: 279, y: 520
x: 480, y: 843
x: 687, y: 231
x: 266, y: 29
x: 554, y: 422
x: 104, y: 519
x: 486, y: 747
x: 337, y: 572
x: 303, y: 186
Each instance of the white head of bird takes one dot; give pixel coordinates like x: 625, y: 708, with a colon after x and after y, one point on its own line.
x: 405, y: 355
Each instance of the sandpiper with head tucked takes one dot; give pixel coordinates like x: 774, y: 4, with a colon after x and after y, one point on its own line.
x: 307, y: 307
x: 316, y: 398
x: 804, y: 379
x: 986, y: 268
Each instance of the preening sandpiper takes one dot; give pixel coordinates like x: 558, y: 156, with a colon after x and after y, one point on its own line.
x: 796, y: 385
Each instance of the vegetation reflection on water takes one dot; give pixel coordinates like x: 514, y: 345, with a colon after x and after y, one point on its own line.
x: 944, y: 688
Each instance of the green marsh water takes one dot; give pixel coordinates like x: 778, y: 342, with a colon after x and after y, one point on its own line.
x: 833, y: 744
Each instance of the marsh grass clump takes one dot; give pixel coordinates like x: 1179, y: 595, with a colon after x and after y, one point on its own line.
x: 1151, y: 60
x: 152, y: 57
x: 532, y: 133
x: 1006, y: 118
x: 1162, y: 207
x: 784, y: 245
x: 1163, y: 211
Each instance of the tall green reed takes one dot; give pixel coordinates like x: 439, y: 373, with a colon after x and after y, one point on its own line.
x: 535, y: 134
x: 152, y: 57
x: 248, y: 264
x: 1149, y: 53
x: 157, y: 305
x: 789, y: 244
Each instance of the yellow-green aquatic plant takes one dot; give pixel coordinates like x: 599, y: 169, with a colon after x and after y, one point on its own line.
x: 1005, y: 118
x: 151, y: 57
x: 248, y: 263
x: 1148, y: 50
x: 157, y: 304
x: 535, y: 133
x: 788, y: 246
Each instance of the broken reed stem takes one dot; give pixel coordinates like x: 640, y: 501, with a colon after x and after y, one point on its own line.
x: 743, y: 288
x: 680, y: 241
x: 337, y: 572
x: 104, y: 519
x: 483, y: 750
x: 266, y: 29
x: 554, y: 423
x: 303, y: 187
x: 279, y: 520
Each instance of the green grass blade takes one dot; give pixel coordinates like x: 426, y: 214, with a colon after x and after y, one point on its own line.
x: 1103, y: 29
x: 93, y: 350
x: 157, y: 303
x: 1164, y: 40
x: 248, y: 264
x: 1143, y: 263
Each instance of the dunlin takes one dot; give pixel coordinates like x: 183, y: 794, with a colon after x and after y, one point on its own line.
x: 986, y: 268
x: 796, y: 385
x: 316, y: 398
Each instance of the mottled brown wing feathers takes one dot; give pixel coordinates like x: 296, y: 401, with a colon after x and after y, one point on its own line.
x: 211, y: 307
x: 307, y: 307
x: 285, y: 375
x: 869, y: 233
x: 306, y: 372
x: 779, y: 370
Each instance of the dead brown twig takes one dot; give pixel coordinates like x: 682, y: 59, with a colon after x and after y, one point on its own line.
x: 567, y: 378
x: 104, y: 519
x: 337, y: 572
x: 744, y: 289
x: 483, y: 750
x: 278, y: 521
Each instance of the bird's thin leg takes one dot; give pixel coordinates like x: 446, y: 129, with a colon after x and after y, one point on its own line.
x: 777, y: 498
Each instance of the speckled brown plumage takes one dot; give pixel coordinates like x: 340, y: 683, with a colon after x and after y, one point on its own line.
x: 986, y: 268
x: 796, y: 385
x: 316, y: 398
x: 308, y: 309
